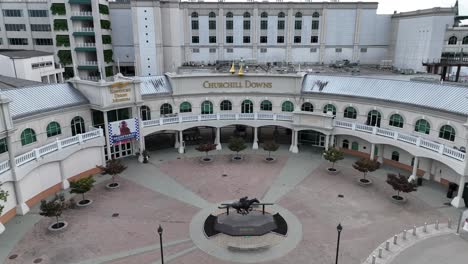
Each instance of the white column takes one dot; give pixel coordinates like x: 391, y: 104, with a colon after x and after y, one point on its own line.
x: 458, y: 201
x: 332, y: 140
x: 21, y: 207
x: 255, y: 139
x: 176, y: 136
x: 294, y: 148
x: 142, y: 148
x: 182, y: 143
x: 218, y: 139
x: 381, y: 154
x: 372, y: 151
x: 415, y: 169
x: 327, y: 142
x: 65, y: 182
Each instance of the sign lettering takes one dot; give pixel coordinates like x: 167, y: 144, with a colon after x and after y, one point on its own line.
x: 244, y: 84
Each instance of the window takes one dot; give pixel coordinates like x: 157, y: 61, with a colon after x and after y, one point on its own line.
x: 298, y: 24
x: 53, y: 129
x: 118, y: 114
x: 229, y: 39
x: 43, y: 42
x: 422, y: 126
x: 316, y: 14
x: 194, y: 15
x: 395, y: 156
x: 185, y: 107
x: 225, y: 105
x: 313, y: 50
x: 28, y: 136
x: 329, y: 108
x: 338, y: 50
x: 229, y: 15
x: 297, y: 39
x: 229, y: 50
x: 41, y: 65
x: 264, y: 25
x: 315, y: 24
x: 280, y: 39
x: 246, y: 24
x: 196, y: 50
x: 263, y: 39
x: 212, y: 24
x: 298, y: 15
x: 314, y: 39
x: 465, y: 40
x: 363, y: 50
x: 452, y: 40
x: 281, y: 14
x: 40, y: 27
x: 212, y: 15
x: 38, y: 13
x: 246, y: 15
x: 165, y: 109
x: 195, y: 39
x: 145, y: 113
x: 15, y: 27
x: 3, y: 145
x: 447, y: 132
x: 212, y: 39
x: 266, y: 105
x: 350, y: 112
x: 18, y: 41
x: 307, y: 107
x: 287, y: 107
x: 212, y: 50
x: 246, y: 39
x: 195, y: 24
x: 263, y: 50
x: 78, y: 125
x: 229, y: 24
x: 206, y: 108
x: 345, y: 144
x: 247, y: 106
x: 374, y: 118
x: 12, y: 13
x: 264, y: 15
x: 280, y: 24
x: 355, y: 146
x: 396, y: 120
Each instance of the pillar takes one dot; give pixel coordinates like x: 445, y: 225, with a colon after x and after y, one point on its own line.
x: 106, y: 129
x: 218, y: 139
x: 327, y: 142
x: 415, y: 169
x: 372, y: 151
x: 182, y: 143
x: 176, y: 136
x: 21, y: 207
x: 142, y: 148
x: 458, y: 201
x: 65, y: 183
x: 332, y: 140
x: 255, y: 139
x: 380, y: 157
x: 457, y: 77
x: 294, y: 148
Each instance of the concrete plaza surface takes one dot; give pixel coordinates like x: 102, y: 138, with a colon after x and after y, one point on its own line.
x: 173, y: 188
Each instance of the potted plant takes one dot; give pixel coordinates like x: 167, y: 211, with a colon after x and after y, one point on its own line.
x: 113, y: 168
x: 333, y: 155
x: 82, y: 186
x: 237, y: 144
x: 3, y: 197
x: 206, y: 147
x: 400, y: 184
x: 365, y: 166
x: 145, y: 155
x: 270, y: 147
x: 54, y: 208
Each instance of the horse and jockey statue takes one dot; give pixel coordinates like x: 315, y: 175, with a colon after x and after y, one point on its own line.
x: 244, y: 205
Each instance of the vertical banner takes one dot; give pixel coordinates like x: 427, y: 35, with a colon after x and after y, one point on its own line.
x: 124, y: 131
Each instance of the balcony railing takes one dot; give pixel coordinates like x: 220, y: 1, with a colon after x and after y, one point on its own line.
x: 84, y: 29
x: 88, y: 63
x: 86, y: 45
x: 82, y: 13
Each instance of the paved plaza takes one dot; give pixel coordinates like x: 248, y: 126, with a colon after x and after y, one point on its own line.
x: 174, y: 188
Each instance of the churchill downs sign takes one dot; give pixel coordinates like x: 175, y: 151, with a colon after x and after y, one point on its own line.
x: 244, y: 84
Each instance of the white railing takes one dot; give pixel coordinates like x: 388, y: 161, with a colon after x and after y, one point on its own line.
x: 82, y: 13
x: 38, y: 153
x: 88, y: 63
x: 414, y: 140
x: 84, y: 29
x: 86, y: 45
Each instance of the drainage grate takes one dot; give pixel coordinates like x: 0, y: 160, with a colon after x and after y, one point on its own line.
x: 115, y: 215
x: 38, y: 260
x: 224, y: 175
x: 340, y: 196
x: 178, y: 157
x: 13, y: 256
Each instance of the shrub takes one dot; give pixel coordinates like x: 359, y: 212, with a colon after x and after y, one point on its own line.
x: 105, y: 24
x: 58, y: 9
x: 206, y: 147
x: 113, y: 168
x: 54, y: 208
x: 106, y: 39
x: 68, y: 73
x: 60, y: 24
x: 333, y: 155
x: 270, y: 147
x: 62, y: 40
x: 108, y: 56
x: 65, y: 57
x: 237, y: 144
x: 82, y: 186
x: 103, y: 9
x: 3, y: 197
x: 366, y: 165
x: 400, y: 184
x: 109, y: 71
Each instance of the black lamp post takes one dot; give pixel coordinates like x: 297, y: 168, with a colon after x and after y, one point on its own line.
x: 338, y: 228
x: 160, y: 232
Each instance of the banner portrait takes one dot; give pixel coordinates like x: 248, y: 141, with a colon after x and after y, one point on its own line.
x: 124, y: 131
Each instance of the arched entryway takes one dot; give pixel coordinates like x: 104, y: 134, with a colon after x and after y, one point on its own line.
x: 312, y: 138
x: 373, y: 118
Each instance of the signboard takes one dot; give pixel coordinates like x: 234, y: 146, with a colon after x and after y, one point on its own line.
x: 120, y: 92
x: 244, y: 84
x: 124, y: 131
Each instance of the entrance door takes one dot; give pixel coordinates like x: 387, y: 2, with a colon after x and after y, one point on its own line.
x: 374, y: 118
x: 120, y: 151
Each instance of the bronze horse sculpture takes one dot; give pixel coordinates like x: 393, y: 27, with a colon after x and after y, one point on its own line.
x: 244, y: 205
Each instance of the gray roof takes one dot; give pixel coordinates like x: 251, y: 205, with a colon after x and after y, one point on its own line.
x: 441, y: 97
x: 155, y: 85
x: 12, y: 83
x: 23, y: 54
x: 38, y: 99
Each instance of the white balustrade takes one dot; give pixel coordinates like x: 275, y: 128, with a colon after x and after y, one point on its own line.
x: 429, y: 145
x: 454, y: 153
x: 343, y: 124
x: 84, y: 29
x: 284, y: 117
x: 4, y: 166
x: 82, y: 13
x: 364, y: 128
x: 89, y: 63
x: 44, y: 150
x: 407, y: 138
x: 208, y: 117
x: 227, y: 116
x: 86, y: 45
x: 246, y: 116
x: 26, y: 157
x: 385, y: 132
x: 170, y: 120
x: 265, y: 116
x: 152, y: 122
x: 190, y: 118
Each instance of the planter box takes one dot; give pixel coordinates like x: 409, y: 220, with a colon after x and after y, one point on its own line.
x: 113, y: 185
x: 364, y: 182
x: 84, y: 203
x: 269, y: 159
x: 57, y: 227
x: 237, y: 158
x: 398, y: 199
x: 333, y: 171
x: 206, y: 159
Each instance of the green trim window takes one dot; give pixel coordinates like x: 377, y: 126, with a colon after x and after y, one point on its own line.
x: 206, y: 108
x: 422, y: 126
x: 53, y: 129
x: 373, y: 118
x: 247, y: 106
x: 307, y: 107
x: 287, y: 106
x: 78, y: 125
x: 266, y: 105
x: 145, y: 112
x: 447, y: 132
x: 395, y: 156
x: 225, y: 105
x: 3, y: 145
x: 396, y: 120
x: 28, y: 136
x: 165, y: 109
x: 355, y: 146
x: 350, y: 112
x: 329, y: 108
x: 185, y: 107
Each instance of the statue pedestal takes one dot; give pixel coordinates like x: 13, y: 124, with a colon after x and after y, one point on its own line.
x: 254, y: 224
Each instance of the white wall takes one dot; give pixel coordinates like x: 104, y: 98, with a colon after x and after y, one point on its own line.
x: 146, y: 31
x: 122, y: 39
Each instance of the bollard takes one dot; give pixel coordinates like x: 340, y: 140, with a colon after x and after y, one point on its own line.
x: 425, y: 227
x: 437, y: 225
x: 373, y: 259
x: 449, y: 224
x: 414, y: 230
x: 395, y: 237
x: 387, y: 245
x: 380, y: 252
x: 404, y: 234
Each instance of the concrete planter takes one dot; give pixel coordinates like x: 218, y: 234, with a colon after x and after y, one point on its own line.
x: 58, y: 226
x: 270, y: 159
x: 237, y: 158
x: 398, y: 199
x: 206, y: 159
x: 113, y: 185
x: 333, y: 171
x: 84, y: 203
x: 364, y: 182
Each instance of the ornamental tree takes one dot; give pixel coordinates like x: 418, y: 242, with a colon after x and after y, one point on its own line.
x: 113, y: 167
x: 3, y: 197
x: 237, y: 144
x: 400, y: 184
x: 82, y: 186
x: 333, y: 155
x: 206, y: 147
x: 53, y: 208
x: 270, y: 147
x: 366, y: 165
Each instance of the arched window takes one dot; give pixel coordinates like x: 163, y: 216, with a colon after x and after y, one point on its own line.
x: 226, y: 105
x: 316, y: 14
x: 329, y: 108
x: 165, y: 109
x: 452, y: 40
x: 264, y: 15
x: 229, y: 14
x: 78, y: 125
x: 287, y: 106
x: 281, y: 14
x: 53, y: 129
x: 465, y: 40
x: 185, y: 107
x: 374, y: 118
x: 246, y: 15
x: 447, y: 132
x: 194, y: 15
x: 298, y: 15
x: 396, y: 120
x: 247, y: 106
x: 350, y: 112
x: 266, y: 105
x: 355, y: 146
x: 422, y: 126
x: 28, y: 136
x: 145, y: 112
x: 395, y: 156
x: 206, y: 108
x: 345, y: 144
x: 212, y: 14
x: 307, y: 107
